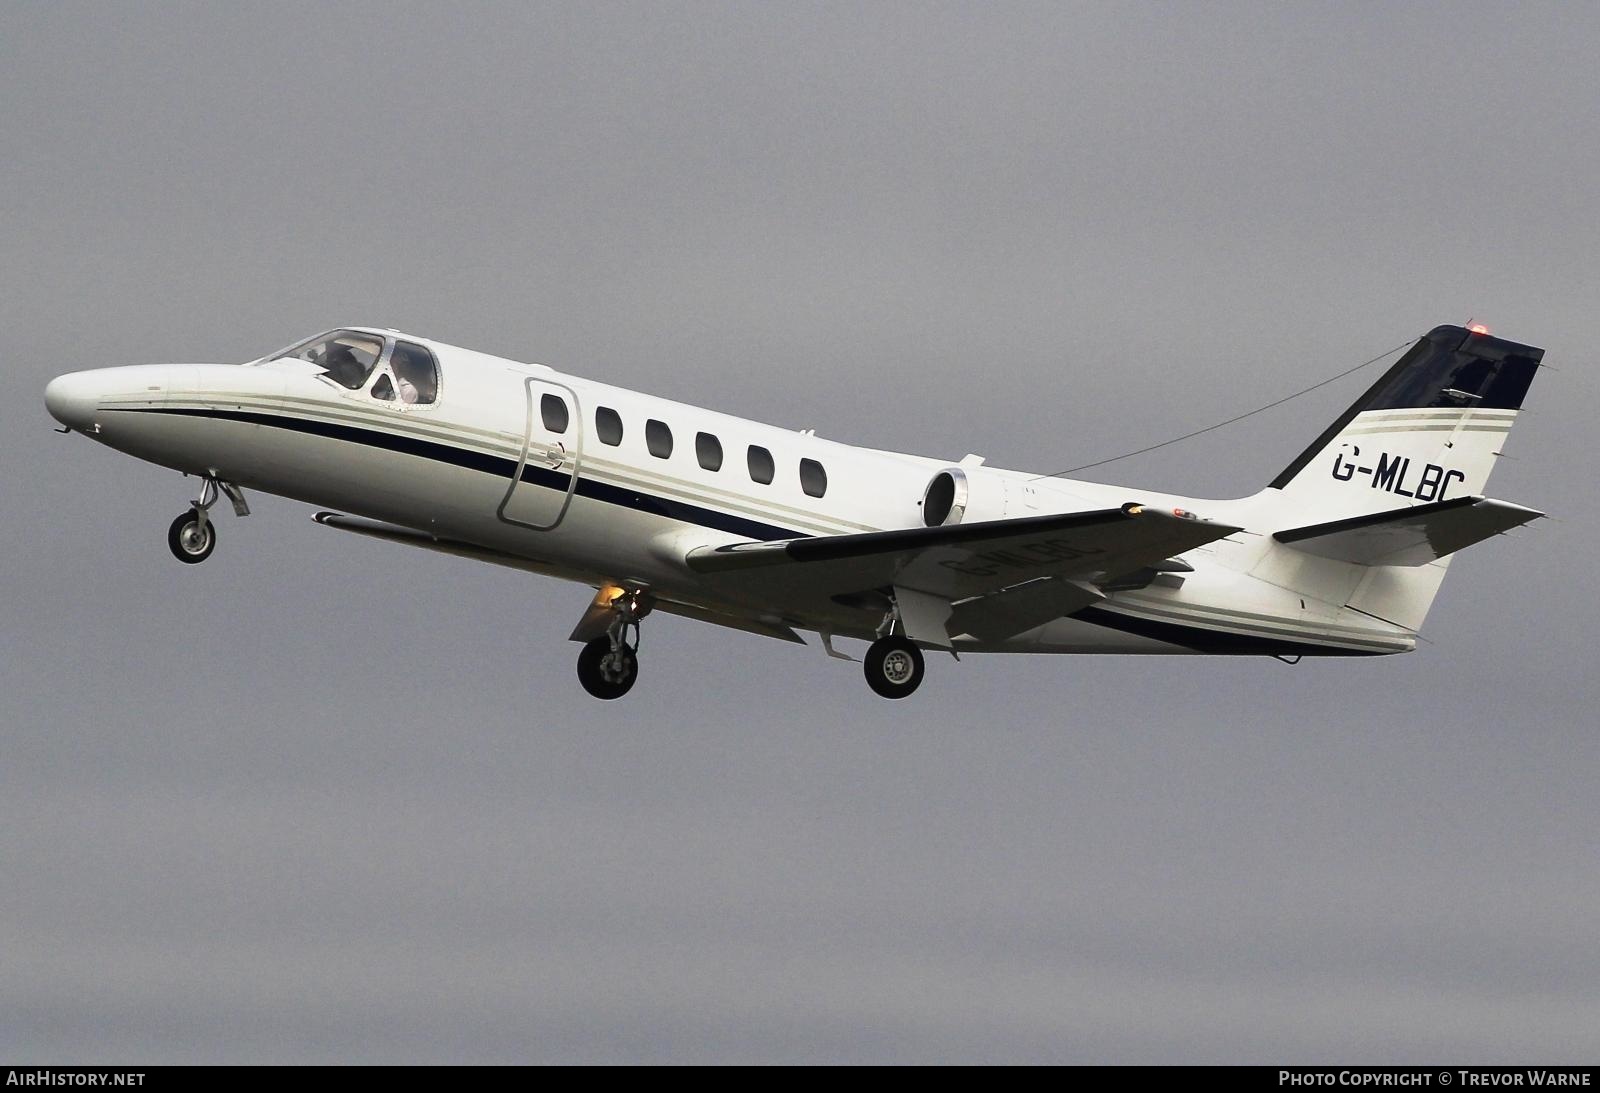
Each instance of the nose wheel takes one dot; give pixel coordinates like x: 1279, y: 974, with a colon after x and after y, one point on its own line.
x: 893, y: 667
x: 192, y: 536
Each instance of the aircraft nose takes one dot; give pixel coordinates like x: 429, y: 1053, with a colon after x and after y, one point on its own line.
x: 72, y: 399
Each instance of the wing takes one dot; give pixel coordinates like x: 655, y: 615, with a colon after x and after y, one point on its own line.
x: 990, y: 579
x: 1410, y: 536
x: 594, y: 621
x: 977, y: 559
x: 996, y: 577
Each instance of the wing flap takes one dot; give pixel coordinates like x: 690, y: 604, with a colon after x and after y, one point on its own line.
x: 1411, y: 536
x: 1020, y: 608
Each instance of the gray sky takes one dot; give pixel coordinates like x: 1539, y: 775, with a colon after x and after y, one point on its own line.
x: 234, y: 828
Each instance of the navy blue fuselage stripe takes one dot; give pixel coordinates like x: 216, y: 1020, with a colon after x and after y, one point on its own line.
x: 1193, y: 637
x: 1214, y: 641
x: 500, y: 467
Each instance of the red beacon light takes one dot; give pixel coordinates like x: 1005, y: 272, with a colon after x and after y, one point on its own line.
x: 1478, y: 328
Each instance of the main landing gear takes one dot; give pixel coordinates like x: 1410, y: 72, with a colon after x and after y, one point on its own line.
x: 192, y: 536
x: 893, y: 666
x: 609, y: 666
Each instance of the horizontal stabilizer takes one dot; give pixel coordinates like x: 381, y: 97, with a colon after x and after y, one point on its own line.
x: 958, y: 561
x: 1409, y: 536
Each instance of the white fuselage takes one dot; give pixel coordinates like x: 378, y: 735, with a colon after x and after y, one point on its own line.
x: 482, y: 465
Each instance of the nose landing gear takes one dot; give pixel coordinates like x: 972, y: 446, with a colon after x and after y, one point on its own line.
x: 192, y: 536
x: 608, y: 667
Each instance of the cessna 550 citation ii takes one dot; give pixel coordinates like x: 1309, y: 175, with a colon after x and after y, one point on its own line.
x: 663, y: 506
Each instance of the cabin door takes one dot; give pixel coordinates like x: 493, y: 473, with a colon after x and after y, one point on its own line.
x: 546, y: 475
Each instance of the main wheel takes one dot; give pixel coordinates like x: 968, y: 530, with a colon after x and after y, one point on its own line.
x: 189, y: 541
x: 605, y: 674
x: 893, y: 667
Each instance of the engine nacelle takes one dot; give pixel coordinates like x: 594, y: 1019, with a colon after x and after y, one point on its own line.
x: 952, y: 496
x: 945, y: 499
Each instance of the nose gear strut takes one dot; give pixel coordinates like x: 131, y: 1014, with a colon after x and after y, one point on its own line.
x: 192, y: 536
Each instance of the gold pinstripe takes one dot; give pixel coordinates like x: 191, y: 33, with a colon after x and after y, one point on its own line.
x: 508, y: 446
x: 1368, y: 430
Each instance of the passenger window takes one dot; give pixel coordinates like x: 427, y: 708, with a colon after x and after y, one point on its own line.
x: 608, y: 425
x: 761, y: 465
x: 416, y: 374
x: 658, y: 438
x: 553, y: 409
x: 708, y: 450
x: 383, y: 389
x: 813, y: 478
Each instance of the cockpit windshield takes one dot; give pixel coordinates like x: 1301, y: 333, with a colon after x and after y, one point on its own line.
x: 387, y: 369
x: 349, y: 356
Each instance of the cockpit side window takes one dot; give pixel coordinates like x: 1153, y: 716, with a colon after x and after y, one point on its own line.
x: 416, y: 373
x: 346, y: 356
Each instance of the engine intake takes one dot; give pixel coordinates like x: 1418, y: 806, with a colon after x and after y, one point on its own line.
x: 945, y: 500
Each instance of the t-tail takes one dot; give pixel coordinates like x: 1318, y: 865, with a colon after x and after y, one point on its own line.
x: 1395, y: 485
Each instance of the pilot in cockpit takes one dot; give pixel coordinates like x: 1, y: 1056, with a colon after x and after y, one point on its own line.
x: 343, y: 367
x: 415, y: 374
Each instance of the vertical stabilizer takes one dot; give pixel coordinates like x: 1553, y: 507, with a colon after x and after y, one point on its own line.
x: 1427, y: 432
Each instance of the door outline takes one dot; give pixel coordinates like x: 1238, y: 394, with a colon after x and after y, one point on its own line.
x: 573, y: 457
